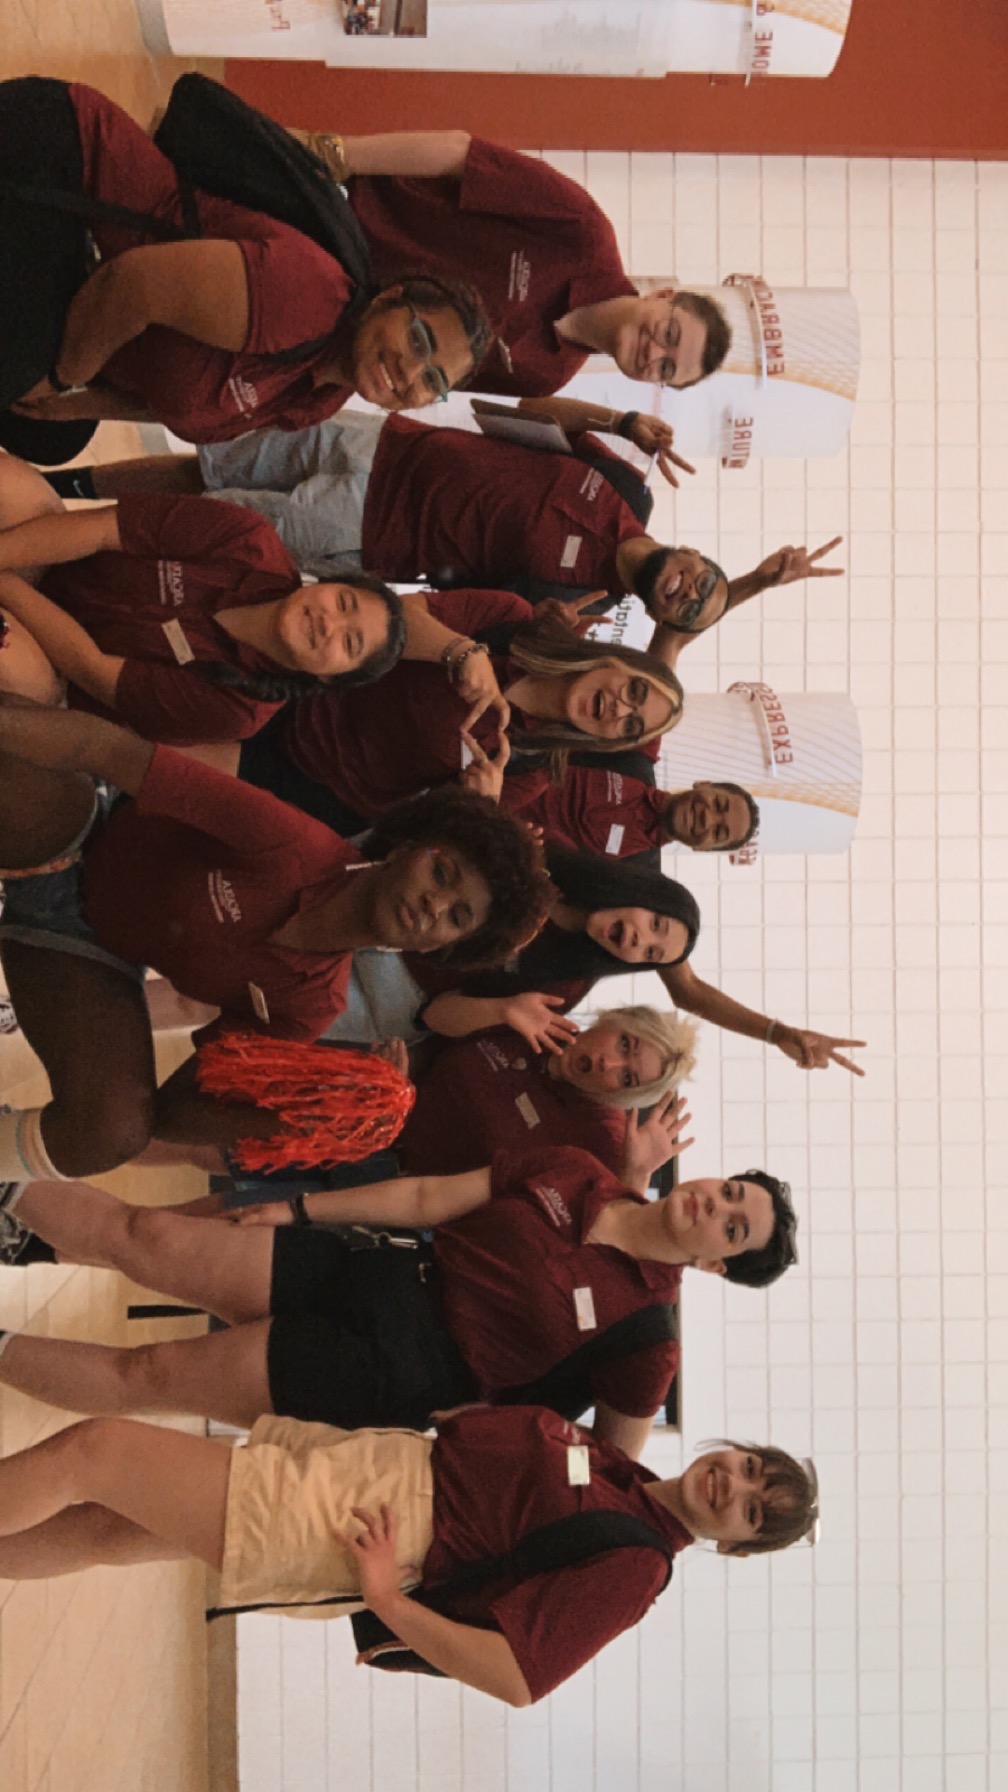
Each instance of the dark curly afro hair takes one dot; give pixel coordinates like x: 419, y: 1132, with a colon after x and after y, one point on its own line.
x: 502, y: 850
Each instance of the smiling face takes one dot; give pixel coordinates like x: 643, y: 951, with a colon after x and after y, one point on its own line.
x: 638, y: 935
x: 404, y: 357
x: 605, y: 1059
x: 657, y: 340
x: 331, y: 628
x: 611, y: 703
x: 724, y: 1496
x: 682, y: 588
x: 707, y: 817
x: 428, y: 897
x: 709, y: 1220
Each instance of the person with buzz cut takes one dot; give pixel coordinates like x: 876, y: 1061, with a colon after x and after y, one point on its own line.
x: 612, y: 806
x: 541, y: 251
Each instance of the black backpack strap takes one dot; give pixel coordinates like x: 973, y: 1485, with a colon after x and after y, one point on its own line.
x: 566, y: 1388
x: 626, y: 482
x: 97, y: 211
x: 562, y: 1544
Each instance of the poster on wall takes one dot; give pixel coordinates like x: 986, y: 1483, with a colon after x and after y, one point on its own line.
x: 564, y: 37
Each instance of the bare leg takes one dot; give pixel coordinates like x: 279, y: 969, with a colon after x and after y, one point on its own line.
x: 221, y: 1377
x: 206, y: 1263
x: 173, y: 1486
x: 185, y: 1116
x: 76, y: 1014
x: 149, y: 473
x: 24, y: 669
x: 159, y: 1155
x: 85, y: 1536
x: 41, y: 811
x: 24, y: 494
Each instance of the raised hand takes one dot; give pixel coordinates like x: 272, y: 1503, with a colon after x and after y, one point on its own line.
x: 566, y: 612
x: 654, y: 436
x: 652, y: 1142
x: 789, y: 564
x: 534, y: 1016
x: 484, y: 776
x: 816, y: 1051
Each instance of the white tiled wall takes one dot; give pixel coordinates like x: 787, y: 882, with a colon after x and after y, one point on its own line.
x: 880, y: 1661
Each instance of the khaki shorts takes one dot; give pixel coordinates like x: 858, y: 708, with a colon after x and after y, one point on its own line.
x: 291, y: 1492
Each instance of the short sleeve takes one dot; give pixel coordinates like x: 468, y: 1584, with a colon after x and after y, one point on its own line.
x: 471, y: 610
x: 555, y: 1623
x: 156, y: 525
x: 181, y: 706
x: 497, y: 179
x: 638, y: 1385
x: 296, y: 291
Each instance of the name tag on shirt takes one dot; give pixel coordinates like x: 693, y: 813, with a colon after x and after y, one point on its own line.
x: 571, y: 550
x: 584, y: 1309
x: 578, y: 1465
x: 176, y: 638
x: 527, y: 1111
x: 259, y: 1004
x: 615, y: 839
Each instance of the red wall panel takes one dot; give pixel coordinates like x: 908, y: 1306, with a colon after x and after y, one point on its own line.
x: 915, y: 78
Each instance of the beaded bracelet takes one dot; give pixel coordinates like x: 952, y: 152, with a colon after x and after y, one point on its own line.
x: 456, y: 665
x: 446, y: 653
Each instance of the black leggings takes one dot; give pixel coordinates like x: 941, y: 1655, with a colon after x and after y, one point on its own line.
x: 46, y: 254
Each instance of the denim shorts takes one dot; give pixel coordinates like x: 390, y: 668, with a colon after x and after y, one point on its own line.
x: 47, y: 909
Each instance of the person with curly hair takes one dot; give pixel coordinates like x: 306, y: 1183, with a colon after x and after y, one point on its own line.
x: 234, y: 321
x: 239, y: 900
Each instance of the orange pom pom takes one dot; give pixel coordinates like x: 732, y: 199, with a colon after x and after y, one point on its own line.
x: 337, y: 1106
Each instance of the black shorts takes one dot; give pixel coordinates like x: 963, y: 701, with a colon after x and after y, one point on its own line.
x: 357, y: 1337
x: 263, y: 762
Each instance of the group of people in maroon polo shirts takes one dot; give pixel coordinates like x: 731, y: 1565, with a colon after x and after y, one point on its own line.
x: 249, y: 765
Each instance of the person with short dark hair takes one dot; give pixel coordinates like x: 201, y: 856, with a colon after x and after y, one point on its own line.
x: 615, y: 809
x: 243, y: 322
x: 540, y: 249
x: 313, y: 1518
x: 531, y: 1255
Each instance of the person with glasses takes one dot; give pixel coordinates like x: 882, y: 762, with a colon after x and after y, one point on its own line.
x: 531, y: 1254
x: 346, y: 759
x: 240, y: 323
x: 409, y: 500
x: 324, y: 1520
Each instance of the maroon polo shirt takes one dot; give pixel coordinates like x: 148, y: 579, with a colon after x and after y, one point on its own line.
x: 156, y: 604
x: 596, y: 810
x: 442, y: 499
x: 376, y: 744
x: 490, y: 1092
x: 196, y: 875
x: 510, y: 1270
x: 435, y: 980
x: 533, y: 243
x: 296, y: 293
x: 501, y: 1472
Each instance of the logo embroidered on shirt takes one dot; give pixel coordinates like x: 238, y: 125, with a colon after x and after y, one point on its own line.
x: 520, y: 276
x: 614, y: 787
x: 223, y: 900
x: 553, y: 1202
x: 171, y: 583
x: 244, y: 394
x: 591, y: 485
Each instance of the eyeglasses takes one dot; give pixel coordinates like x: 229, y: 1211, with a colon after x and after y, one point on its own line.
x: 423, y: 345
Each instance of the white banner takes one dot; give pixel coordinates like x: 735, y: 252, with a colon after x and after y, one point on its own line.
x: 570, y: 37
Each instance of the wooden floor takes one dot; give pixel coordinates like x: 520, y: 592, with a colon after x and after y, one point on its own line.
x: 102, y: 1675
